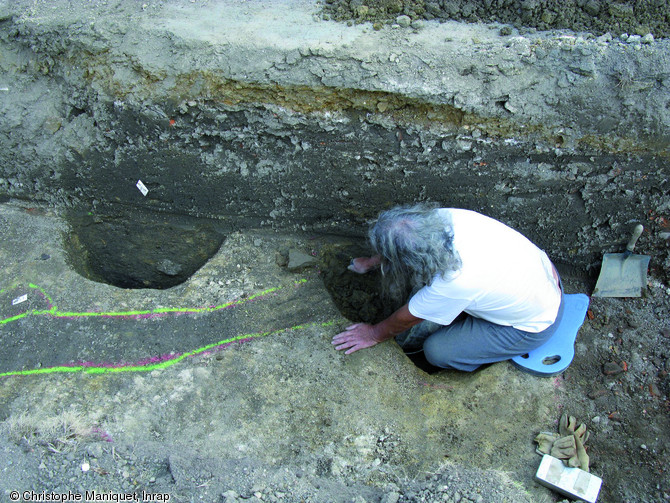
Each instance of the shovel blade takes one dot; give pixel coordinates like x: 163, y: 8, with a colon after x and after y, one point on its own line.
x: 622, y: 276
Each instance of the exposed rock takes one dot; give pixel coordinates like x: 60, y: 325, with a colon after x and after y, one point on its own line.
x: 169, y: 267
x: 298, y: 260
x: 612, y: 368
x: 403, y: 21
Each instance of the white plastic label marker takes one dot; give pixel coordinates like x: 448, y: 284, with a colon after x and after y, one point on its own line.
x: 142, y: 187
x: 18, y: 300
x: 571, y: 482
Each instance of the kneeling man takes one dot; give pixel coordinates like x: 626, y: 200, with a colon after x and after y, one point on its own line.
x: 479, y: 292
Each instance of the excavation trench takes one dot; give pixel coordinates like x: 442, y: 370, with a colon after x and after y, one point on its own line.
x: 256, y: 128
x: 137, y: 248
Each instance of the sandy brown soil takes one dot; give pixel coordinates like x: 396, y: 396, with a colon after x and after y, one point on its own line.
x: 308, y: 423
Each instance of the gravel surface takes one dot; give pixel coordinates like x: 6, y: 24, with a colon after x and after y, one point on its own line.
x: 640, y: 18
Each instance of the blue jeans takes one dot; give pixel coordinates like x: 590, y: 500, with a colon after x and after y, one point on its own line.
x: 469, y: 342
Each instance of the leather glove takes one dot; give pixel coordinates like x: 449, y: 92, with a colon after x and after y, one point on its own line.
x: 544, y: 442
x: 581, y: 434
x: 568, y: 426
x: 564, y: 448
x: 582, y: 460
x: 568, y: 444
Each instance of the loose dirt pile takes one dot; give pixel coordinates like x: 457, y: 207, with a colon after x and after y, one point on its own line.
x: 633, y: 17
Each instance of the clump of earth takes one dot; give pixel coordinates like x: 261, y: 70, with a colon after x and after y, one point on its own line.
x: 595, y: 16
x: 357, y: 296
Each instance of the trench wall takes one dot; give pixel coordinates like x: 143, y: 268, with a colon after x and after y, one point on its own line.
x: 257, y: 114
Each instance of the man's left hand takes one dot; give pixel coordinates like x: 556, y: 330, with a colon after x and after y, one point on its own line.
x: 355, y: 337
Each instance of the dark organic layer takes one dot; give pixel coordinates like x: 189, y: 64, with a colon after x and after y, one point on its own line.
x: 595, y: 16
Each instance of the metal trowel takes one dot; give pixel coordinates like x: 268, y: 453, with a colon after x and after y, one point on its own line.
x: 623, y: 274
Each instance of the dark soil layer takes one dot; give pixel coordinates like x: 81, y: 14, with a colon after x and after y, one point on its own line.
x: 357, y: 296
x: 595, y: 16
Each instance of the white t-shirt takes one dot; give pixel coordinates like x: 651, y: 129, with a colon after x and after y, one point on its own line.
x: 504, y: 278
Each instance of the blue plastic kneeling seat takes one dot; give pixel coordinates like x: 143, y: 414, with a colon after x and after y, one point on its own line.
x: 556, y: 355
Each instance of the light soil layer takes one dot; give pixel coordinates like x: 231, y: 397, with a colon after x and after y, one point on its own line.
x: 90, y: 376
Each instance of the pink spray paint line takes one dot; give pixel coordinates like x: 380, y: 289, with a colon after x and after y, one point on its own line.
x: 154, y: 359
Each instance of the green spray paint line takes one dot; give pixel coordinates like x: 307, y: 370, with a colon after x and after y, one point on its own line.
x: 53, y: 311
x: 149, y: 364
x: 162, y: 362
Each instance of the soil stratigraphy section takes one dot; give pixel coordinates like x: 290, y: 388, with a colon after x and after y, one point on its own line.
x: 559, y: 135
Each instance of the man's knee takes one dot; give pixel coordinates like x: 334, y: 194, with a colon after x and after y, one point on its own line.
x: 440, y: 351
x: 435, y: 352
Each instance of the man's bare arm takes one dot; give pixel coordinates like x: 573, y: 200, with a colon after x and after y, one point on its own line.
x: 364, y: 335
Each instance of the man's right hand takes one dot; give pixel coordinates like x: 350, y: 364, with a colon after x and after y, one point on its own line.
x: 364, y: 335
x: 355, y: 337
x: 361, y: 265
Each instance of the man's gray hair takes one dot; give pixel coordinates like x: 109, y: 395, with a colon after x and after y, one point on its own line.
x: 416, y: 244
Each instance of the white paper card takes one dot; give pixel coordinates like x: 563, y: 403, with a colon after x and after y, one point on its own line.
x: 142, y: 187
x: 18, y: 300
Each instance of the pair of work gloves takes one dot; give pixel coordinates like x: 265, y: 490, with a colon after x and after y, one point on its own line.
x: 567, y: 444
